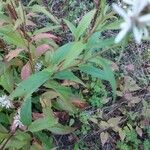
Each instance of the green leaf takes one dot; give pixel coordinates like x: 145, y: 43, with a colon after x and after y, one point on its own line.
x: 20, y: 140
x: 105, y: 74
x: 96, y: 42
x: 109, y: 75
x: 11, y: 37
x: 41, y: 124
x: 67, y: 75
x: 62, y: 130
x: 7, y: 81
x: 60, y: 53
x: 115, y: 25
x: 47, y: 121
x: 46, y: 29
x: 3, y: 67
x: 84, y: 23
x: 64, y: 94
x: 73, y: 53
x: 41, y: 9
x: 71, y: 27
x: 93, y: 71
x: 26, y: 112
x: 47, y: 141
x: 31, y: 84
x: 67, y: 53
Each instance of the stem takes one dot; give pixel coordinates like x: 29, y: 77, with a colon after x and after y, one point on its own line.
x: 3, y: 146
x: 26, y: 36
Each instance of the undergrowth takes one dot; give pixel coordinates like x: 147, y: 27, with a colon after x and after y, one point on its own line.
x: 59, y: 86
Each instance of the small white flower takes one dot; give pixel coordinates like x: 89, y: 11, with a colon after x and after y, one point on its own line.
x: 5, y: 102
x: 38, y: 66
x: 133, y: 21
x: 17, y: 122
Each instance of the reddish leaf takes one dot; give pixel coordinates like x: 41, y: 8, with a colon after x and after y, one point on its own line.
x: 42, y: 49
x: 44, y: 36
x: 78, y: 103
x: 13, y: 54
x: 26, y: 71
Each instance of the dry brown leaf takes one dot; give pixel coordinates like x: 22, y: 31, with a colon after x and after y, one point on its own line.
x: 130, y: 84
x: 104, y: 125
x: 114, y: 121
x: 104, y: 137
x: 139, y: 131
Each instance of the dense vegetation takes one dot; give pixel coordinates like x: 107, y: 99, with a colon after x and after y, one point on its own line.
x: 68, y: 81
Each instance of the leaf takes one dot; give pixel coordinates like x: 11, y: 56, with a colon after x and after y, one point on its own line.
x: 7, y: 81
x: 67, y: 75
x: 3, y: 67
x: 44, y: 36
x: 35, y: 81
x: 12, y: 54
x: 96, y: 42
x: 20, y: 140
x: 122, y: 134
x: 115, y: 25
x: 12, y: 37
x: 48, y: 121
x: 60, y: 53
x: 139, y: 131
x: 64, y: 93
x: 41, y: 9
x: 93, y: 71
x: 48, y: 28
x: 26, y: 71
x: 79, y: 103
x: 104, y: 137
x: 47, y: 141
x: 130, y: 84
x: 62, y: 130
x: 114, y: 121
x: 71, y: 27
x: 26, y: 112
x: 109, y: 76
x: 40, y: 50
x: 41, y: 124
x: 73, y: 53
x: 84, y: 23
